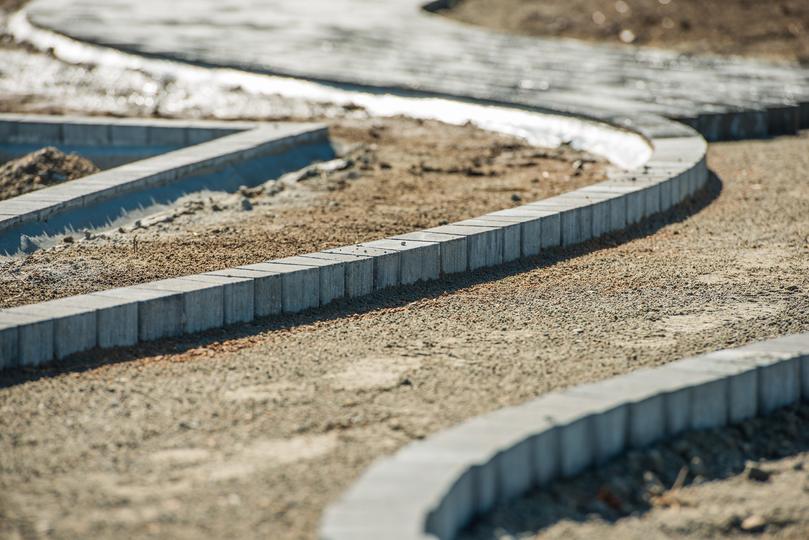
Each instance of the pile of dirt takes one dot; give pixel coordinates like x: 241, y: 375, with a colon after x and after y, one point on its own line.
x: 667, y: 490
x: 43, y: 168
x: 777, y: 29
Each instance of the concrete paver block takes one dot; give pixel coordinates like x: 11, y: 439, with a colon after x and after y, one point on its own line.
x: 452, y: 249
x: 419, y: 261
x: 484, y: 245
x: 203, y: 302
x: 238, y: 295
x: 300, y: 285
x: 116, y: 319
x: 267, y: 288
x: 74, y: 327
x: 512, y: 235
x: 332, y: 276
x: 530, y: 232
x: 359, y: 272
x: 34, y: 337
x: 160, y: 312
x: 387, y: 263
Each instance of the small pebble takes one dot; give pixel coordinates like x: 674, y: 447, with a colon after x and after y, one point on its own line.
x: 754, y: 523
x: 756, y: 474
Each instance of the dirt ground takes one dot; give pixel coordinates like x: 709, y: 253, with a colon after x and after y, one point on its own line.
x: 251, y: 432
x: 401, y: 175
x: 776, y: 29
x: 730, y: 483
x: 46, y: 167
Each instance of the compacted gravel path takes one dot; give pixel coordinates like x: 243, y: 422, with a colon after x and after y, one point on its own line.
x: 251, y: 433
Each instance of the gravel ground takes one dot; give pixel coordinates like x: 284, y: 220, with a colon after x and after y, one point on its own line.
x: 776, y: 30
x: 43, y: 168
x: 671, y: 490
x: 251, y: 432
x: 399, y: 175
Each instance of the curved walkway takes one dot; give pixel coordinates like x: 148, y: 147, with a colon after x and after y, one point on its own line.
x: 396, y: 44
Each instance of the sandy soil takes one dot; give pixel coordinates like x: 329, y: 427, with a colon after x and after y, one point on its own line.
x: 729, y: 483
x: 251, y: 432
x: 401, y: 175
x: 777, y: 29
x: 46, y: 167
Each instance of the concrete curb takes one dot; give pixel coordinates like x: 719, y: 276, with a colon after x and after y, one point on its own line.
x: 187, y: 150
x: 38, y: 334
x: 431, y: 489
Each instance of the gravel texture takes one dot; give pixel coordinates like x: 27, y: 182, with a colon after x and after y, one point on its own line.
x: 730, y: 483
x: 46, y: 167
x: 776, y: 30
x: 398, y: 175
x: 251, y: 432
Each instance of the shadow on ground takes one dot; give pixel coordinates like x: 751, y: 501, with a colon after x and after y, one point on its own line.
x: 377, y: 301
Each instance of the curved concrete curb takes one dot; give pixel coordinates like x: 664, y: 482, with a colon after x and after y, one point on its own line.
x: 433, y: 488
x: 191, y: 154
x: 37, y: 334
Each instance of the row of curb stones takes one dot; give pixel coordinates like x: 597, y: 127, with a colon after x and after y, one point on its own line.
x: 37, y: 334
x: 431, y: 489
x: 203, y: 145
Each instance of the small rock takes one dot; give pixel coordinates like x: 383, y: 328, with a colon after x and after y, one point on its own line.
x: 88, y: 235
x: 246, y: 204
x: 754, y: 523
x: 385, y: 165
x: 68, y: 240
x: 516, y: 197
x: 756, y: 474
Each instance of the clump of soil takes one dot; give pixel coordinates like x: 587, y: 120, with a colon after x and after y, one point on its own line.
x: 777, y: 29
x: 43, y: 168
x: 749, y: 478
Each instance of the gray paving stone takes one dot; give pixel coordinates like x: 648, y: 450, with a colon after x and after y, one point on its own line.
x: 238, y: 295
x: 530, y: 232
x: 570, y: 219
x: 134, y: 135
x: 34, y: 338
x: 452, y: 249
x: 203, y: 303
x: 484, y: 245
x: 550, y: 223
x: 267, y: 289
x: 512, y: 235
x: 387, y: 264
x: 74, y: 327
x: 160, y: 312
x: 116, y: 318
x: 419, y: 261
x: 300, y: 285
x: 359, y: 272
x: 332, y: 276
x: 86, y: 134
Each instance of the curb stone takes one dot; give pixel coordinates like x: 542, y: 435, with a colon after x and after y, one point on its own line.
x: 435, y: 487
